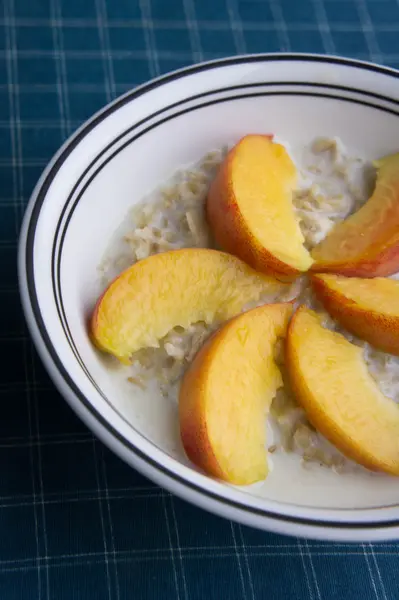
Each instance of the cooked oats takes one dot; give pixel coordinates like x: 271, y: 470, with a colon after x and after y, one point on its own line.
x: 332, y: 185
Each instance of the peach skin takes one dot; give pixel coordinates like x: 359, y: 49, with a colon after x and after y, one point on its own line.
x: 226, y: 393
x: 249, y: 208
x: 366, y: 244
x: 368, y: 308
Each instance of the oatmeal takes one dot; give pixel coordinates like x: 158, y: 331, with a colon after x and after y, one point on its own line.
x: 332, y: 185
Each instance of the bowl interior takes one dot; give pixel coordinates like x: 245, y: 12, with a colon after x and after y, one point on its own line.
x: 84, y: 214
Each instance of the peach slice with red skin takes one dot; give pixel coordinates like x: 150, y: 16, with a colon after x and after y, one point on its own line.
x: 368, y: 308
x: 249, y: 208
x: 171, y: 289
x: 226, y: 393
x: 330, y: 380
x: 366, y: 244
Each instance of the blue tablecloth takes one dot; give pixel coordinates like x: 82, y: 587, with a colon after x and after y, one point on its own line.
x: 75, y: 522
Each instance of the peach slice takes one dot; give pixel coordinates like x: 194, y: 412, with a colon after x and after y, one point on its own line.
x: 249, y: 208
x: 170, y: 289
x: 369, y: 308
x: 226, y: 393
x: 330, y: 380
x: 366, y: 244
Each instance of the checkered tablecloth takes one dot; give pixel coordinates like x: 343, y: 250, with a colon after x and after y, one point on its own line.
x: 75, y: 522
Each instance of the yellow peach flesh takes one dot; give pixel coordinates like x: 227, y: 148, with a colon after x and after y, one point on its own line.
x: 341, y: 399
x: 366, y: 244
x: 250, y: 211
x: 173, y: 289
x: 226, y: 393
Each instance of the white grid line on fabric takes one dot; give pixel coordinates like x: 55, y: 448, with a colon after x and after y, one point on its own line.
x: 46, y: 88
x: 81, y: 499
x: 16, y: 163
x: 8, y: 337
x: 100, y: 560
x: 305, y: 569
x: 34, y: 413
x: 171, y: 548
x: 379, y: 574
x: 16, y: 149
x: 377, y: 568
x: 101, y: 496
x: 17, y: 501
x: 249, y: 572
x: 309, y: 27
x: 90, y: 494
x: 10, y: 123
x: 235, y: 24
x: 191, y: 553
x: 254, y: 550
x: 63, y: 69
x: 132, y: 558
x: 370, y: 570
x: 101, y: 515
x: 313, y: 570
x: 280, y: 25
x: 59, y: 73
x: 50, y: 439
x: 192, y: 26
x: 33, y: 125
x: 179, y: 550
x: 98, y: 54
x: 346, y: 1
x: 16, y: 386
x: 13, y: 335
x: 381, y: 582
x: 80, y: 88
x: 11, y: 338
x: 38, y: 442
x: 368, y: 31
x: 65, y: 564
x: 201, y: 24
x: 94, y: 55
x: 106, y: 49
x: 19, y: 163
x: 149, y: 37
x: 238, y: 557
x: 8, y: 289
x: 40, y: 470
x: 110, y: 523
x: 324, y: 26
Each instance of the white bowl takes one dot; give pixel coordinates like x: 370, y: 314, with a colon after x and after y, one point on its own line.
x: 110, y: 163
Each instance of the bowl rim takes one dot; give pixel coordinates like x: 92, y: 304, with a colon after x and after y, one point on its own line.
x: 357, y: 529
